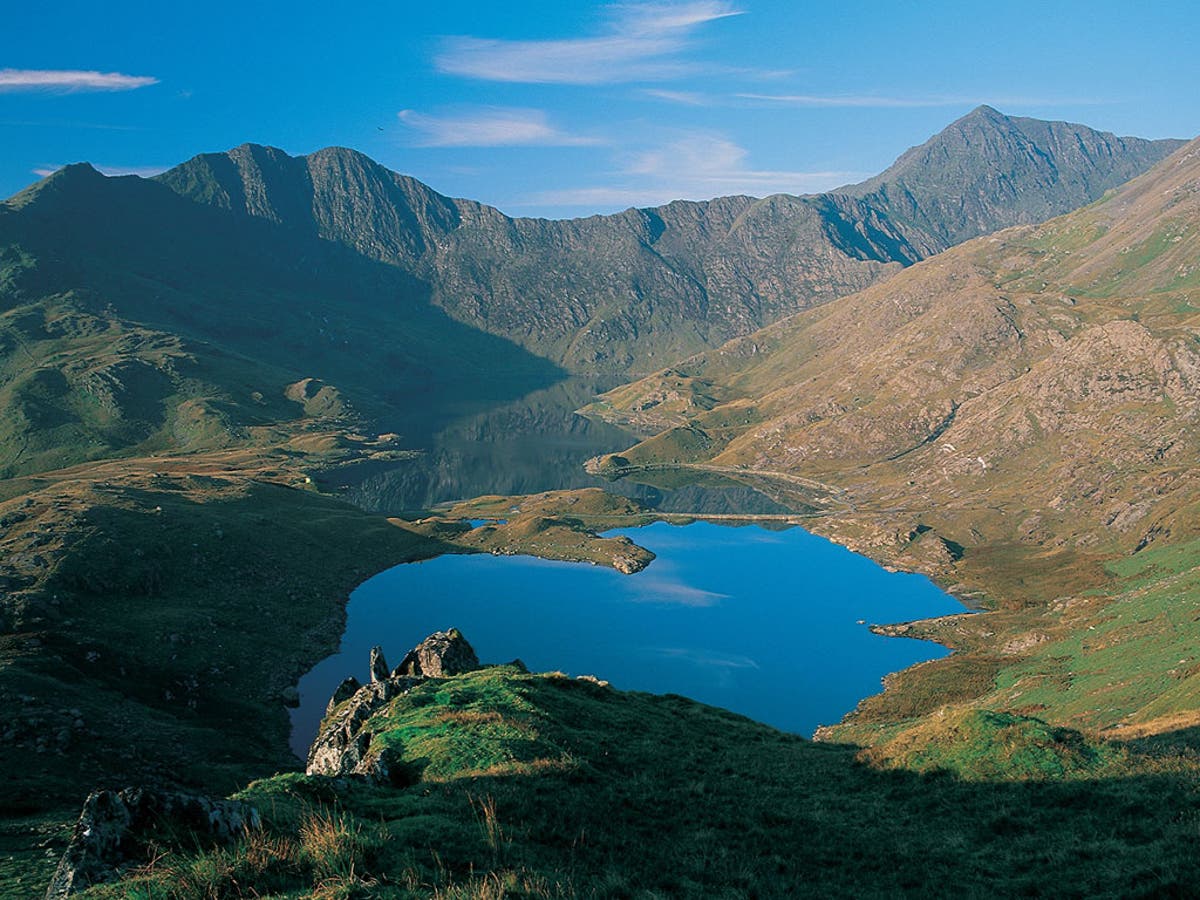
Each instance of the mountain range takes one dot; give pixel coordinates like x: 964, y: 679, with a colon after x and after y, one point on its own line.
x: 616, y: 293
x: 1012, y: 412
x: 171, y: 313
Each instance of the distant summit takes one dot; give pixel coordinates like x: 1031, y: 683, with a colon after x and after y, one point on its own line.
x: 988, y: 171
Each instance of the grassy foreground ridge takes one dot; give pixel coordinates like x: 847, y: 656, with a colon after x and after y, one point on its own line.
x: 548, y: 786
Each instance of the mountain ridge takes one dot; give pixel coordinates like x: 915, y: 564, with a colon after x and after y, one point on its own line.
x: 219, y: 363
x: 613, y: 293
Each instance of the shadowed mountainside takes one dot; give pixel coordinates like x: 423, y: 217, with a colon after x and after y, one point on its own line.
x: 131, y: 318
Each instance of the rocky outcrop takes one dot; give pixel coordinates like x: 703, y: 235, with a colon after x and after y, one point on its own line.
x: 343, y: 691
x: 629, y: 563
x: 343, y: 745
x: 115, y: 827
x: 440, y: 655
x: 379, y: 666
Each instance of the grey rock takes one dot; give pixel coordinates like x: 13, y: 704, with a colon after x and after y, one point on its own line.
x: 343, y: 743
x: 440, y: 655
x: 379, y: 666
x: 115, y: 826
x: 344, y: 691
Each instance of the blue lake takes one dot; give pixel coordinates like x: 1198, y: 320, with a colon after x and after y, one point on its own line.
x: 769, y: 624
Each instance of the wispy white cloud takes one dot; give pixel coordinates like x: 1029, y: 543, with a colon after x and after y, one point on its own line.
x: 491, y: 127
x: 843, y: 101
x: 12, y: 80
x: 694, y: 166
x: 875, y: 101
x: 643, y: 42
x: 664, y: 590
x: 686, y: 98
x: 652, y: 18
x: 140, y: 171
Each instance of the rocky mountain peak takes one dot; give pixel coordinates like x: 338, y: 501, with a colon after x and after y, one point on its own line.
x: 987, y: 171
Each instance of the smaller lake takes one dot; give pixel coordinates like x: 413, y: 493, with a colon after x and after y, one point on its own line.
x: 769, y: 624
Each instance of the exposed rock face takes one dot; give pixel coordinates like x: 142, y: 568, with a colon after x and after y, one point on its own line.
x: 440, y: 655
x: 628, y: 564
x: 379, y: 666
x: 343, y: 745
x: 115, y: 825
x: 343, y: 691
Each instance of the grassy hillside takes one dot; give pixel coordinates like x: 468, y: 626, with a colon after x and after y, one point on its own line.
x: 547, y: 786
x: 175, y: 377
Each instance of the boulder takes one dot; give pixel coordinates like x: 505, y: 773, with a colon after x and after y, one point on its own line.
x: 115, y: 827
x: 440, y: 655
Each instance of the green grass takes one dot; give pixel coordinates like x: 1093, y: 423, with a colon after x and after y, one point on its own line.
x: 542, y: 785
x: 154, y: 629
x: 979, y: 745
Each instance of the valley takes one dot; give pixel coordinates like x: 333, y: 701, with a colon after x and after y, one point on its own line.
x: 1016, y: 421
x: 234, y: 392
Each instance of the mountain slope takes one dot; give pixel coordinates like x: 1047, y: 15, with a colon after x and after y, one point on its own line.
x: 121, y: 303
x: 510, y: 784
x: 611, y: 293
x: 1018, y: 416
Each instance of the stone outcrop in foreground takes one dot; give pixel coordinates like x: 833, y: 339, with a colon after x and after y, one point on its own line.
x: 343, y: 744
x: 115, y: 826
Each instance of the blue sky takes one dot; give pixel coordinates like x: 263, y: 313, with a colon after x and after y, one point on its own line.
x: 569, y: 108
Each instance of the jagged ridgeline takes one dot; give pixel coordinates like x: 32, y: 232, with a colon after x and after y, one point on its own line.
x: 150, y: 316
x: 639, y: 289
x: 197, y: 344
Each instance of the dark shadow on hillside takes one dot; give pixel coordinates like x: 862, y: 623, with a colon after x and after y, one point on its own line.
x: 564, y: 782
x: 266, y: 292
x: 172, y: 633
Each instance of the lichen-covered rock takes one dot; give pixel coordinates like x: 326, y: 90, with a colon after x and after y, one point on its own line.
x: 342, y: 745
x: 440, y: 655
x: 115, y: 827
